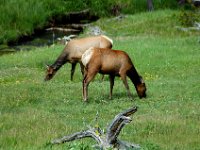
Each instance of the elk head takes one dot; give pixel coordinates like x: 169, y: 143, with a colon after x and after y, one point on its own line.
x: 50, y: 72
x: 141, y: 88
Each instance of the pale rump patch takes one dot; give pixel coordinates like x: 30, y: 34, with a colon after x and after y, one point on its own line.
x: 87, y: 56
x: 111, y: 41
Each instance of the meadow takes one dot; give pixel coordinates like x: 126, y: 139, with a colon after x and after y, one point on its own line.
x: 34, y: 112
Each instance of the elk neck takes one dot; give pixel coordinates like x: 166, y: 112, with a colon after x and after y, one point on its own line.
x: 61, y: 60
x: 134, y: 76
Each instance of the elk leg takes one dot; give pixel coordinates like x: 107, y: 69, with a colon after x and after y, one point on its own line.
x: 87, y: 78
x: 73, y: 70
x: 124, y: 79
x: 82, y: 68
x: 111, y: 85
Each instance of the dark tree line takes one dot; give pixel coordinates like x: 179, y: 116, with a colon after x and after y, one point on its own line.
x: 180, y: 2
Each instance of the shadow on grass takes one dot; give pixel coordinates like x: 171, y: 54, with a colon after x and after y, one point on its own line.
x: 104, y: 98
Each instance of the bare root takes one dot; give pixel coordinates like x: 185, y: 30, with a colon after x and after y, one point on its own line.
x: 110, y: 138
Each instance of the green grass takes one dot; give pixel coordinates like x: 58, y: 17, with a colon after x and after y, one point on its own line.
x: 33, y: 112
x: 20, y: 18
x: 164, y: 23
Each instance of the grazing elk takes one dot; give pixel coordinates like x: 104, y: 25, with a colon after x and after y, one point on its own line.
x: 114, y: 63
x: 73, y: 51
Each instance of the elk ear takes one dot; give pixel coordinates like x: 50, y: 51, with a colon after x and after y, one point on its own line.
x: 54, y: 68
x: 47, y: 66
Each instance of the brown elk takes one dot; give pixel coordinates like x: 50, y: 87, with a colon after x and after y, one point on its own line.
x: 114, y: 63
x: 73, y: 51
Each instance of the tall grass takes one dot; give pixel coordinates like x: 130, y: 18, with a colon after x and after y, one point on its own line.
x: 33, y: 112
x: 21, y: 17
x: 146, y: 24
x: 135, y: 6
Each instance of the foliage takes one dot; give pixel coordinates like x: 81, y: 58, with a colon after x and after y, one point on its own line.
x: 135, y: 6
x: 188, y: 18
x: 21, y: 18
x: 163, y: 23
x: 189, y: 14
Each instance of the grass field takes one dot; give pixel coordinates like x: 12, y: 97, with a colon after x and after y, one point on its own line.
x: 33, y: 112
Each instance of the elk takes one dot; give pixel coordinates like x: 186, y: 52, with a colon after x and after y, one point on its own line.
x: 114, y: 63
x: 73, y: 51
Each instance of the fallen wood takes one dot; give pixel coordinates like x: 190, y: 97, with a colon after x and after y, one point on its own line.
x: 110, y: 138
x: 84, y: 16
x: 77, y: 26
x: 65, y: 30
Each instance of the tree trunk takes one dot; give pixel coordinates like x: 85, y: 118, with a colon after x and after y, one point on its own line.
x: 181, y: 2
x: 150, y: 5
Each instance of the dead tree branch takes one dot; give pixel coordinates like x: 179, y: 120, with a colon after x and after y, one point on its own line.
x: 64, y: 30
x: 78, y: 135
x: 118, y: 123
x: 108, y: 140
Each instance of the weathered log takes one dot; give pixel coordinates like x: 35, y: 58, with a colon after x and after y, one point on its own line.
x: 78, y: 26
x: 79, y: 135
x: 64, y: 30
x: 117, y: 124
x: 109, y: 139
x: 74, y: 17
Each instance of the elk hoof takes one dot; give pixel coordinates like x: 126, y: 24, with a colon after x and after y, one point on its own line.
x: 85, y: 100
